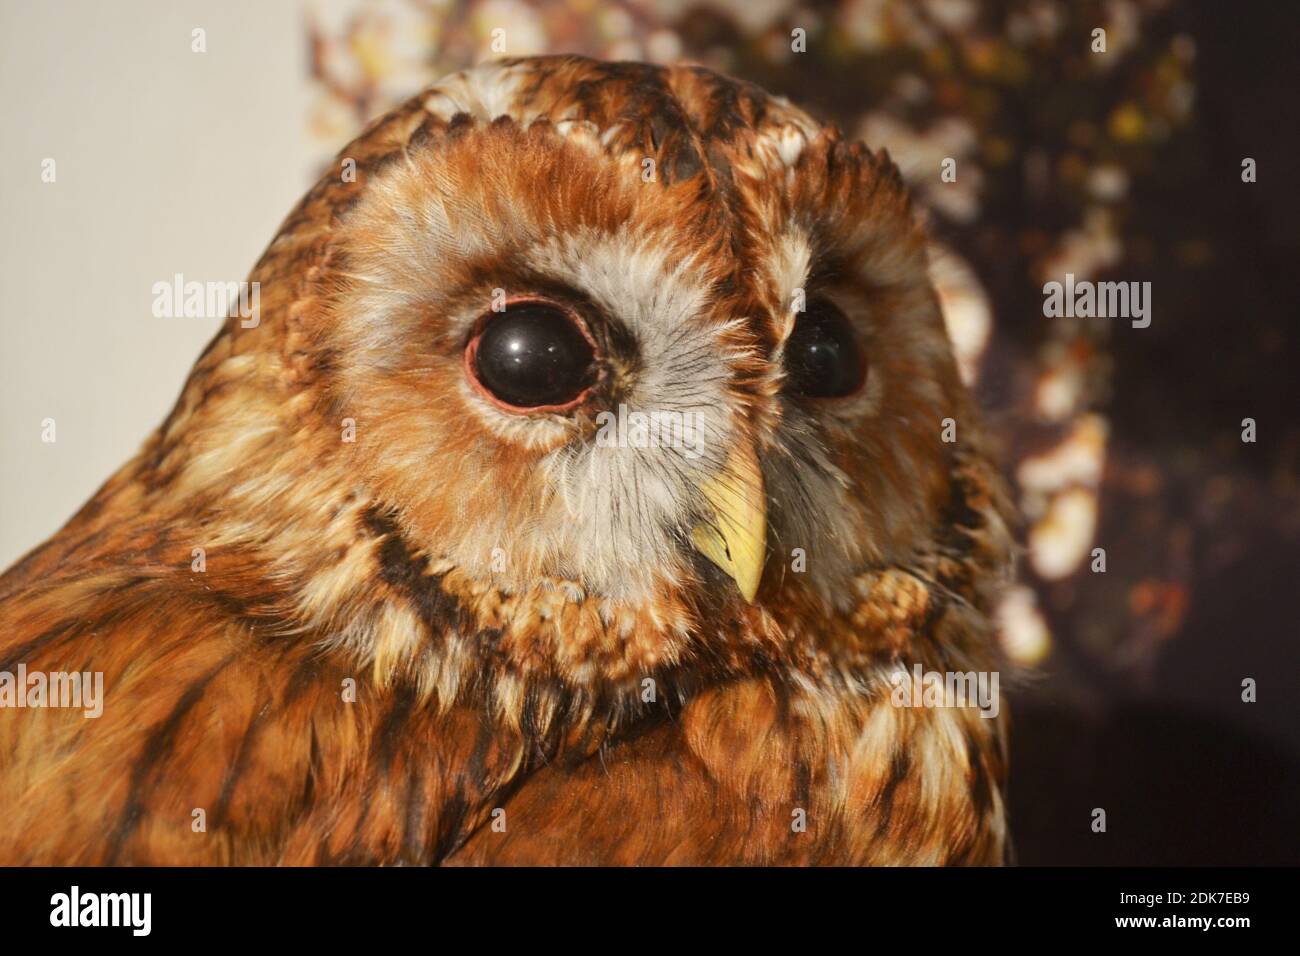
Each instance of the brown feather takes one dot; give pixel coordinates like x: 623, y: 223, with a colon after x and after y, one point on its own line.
x: 522, y: 692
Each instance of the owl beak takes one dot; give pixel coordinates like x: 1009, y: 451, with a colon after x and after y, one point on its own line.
x: 736, y: 540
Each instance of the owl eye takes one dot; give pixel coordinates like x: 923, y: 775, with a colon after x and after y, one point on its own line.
x: 822, y: 356
x: 532, y: 356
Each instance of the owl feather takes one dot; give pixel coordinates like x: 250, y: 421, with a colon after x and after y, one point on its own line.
x: 355, y: 609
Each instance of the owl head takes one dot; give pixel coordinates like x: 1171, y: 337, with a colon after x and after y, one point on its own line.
x: 643, y: 337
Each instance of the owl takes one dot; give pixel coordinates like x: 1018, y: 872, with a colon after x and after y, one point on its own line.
x: 594, y: 477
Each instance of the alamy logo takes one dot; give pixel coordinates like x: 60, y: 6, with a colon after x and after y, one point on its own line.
x: 1102, y: 300
x: 83, y: 690
x: 103, y: 909
x: 922, y: 688
x: 179, y: 299
x: 653, y: 429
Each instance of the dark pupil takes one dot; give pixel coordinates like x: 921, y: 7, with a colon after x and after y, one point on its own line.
x: 822, y: 357
x: 533, y: 355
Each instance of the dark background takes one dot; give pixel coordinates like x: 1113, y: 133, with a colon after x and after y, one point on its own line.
x: 1187, y: 772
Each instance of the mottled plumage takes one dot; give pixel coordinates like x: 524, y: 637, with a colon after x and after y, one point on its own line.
x: 530, y: 623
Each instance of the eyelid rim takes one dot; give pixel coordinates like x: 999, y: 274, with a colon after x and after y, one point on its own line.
x: 470, y: 353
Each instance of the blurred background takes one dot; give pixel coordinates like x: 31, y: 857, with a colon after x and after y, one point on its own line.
x: 1120, y: 165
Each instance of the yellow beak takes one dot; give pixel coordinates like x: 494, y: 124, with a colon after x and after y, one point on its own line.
x: 736, y: 540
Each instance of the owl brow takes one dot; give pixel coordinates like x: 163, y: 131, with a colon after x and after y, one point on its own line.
x: 828, y: 268
x: 525, y: 283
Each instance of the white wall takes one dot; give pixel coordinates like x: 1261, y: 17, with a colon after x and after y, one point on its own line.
x: 167, y: 161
